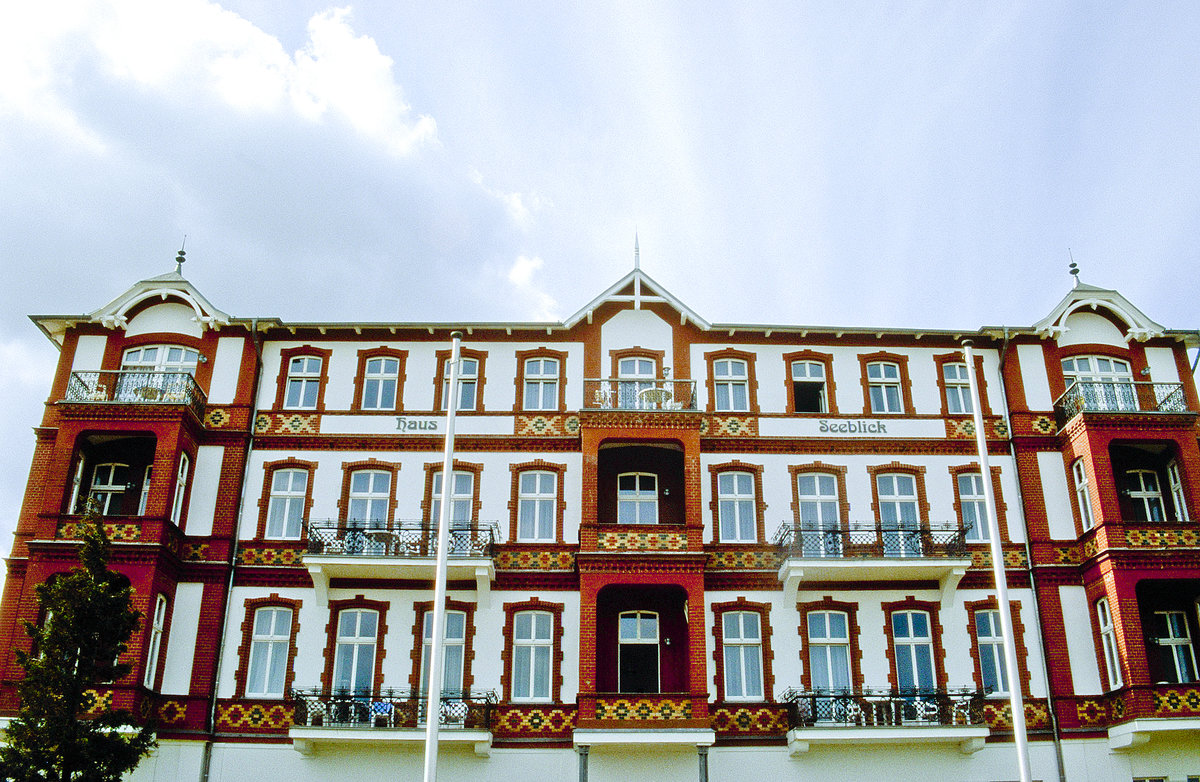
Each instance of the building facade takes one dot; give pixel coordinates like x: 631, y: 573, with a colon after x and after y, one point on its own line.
x: 678, y: 549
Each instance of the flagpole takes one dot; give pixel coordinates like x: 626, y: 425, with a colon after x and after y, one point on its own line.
x: 433, y: 701
x: 1015, y: 696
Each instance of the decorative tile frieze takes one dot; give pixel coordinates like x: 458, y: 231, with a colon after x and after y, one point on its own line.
x: 642, y: 541
x: 729, y: 426
x: 964, y: 428
x: 217, y: 417
x: 750, y: 720
x: 270, y: 555
x: 197, y: 552
x: 1092, y: 713
x: 742, y: 560
x: 1043, y: 424
x: 171, y: 712
x: 1176, y: 701
x: 546, y: 425
x: 287, y: 423
x: 535, y: 560
x: 643, y: 709
x: 1013, y: 558
x: 1161, y: 538
x: 250, y: 716
x: 998, y: 714
x: 96, y: 701
x: 536, y: 722
x: 124, y: 533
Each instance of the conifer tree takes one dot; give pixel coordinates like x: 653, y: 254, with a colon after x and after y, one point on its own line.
x: 88, y: 618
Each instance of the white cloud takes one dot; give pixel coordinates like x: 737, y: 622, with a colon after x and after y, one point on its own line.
x: 520, y: 207
x: 520, y: 274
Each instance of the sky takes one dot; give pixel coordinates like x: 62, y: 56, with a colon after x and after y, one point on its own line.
x: 912, y: 164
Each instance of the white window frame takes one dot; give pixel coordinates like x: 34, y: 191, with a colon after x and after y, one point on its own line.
x: 989, y: 640
x: 104, y: 493
x: 899, y: 514
x: 302, y: 388
x: 1178, y: 496
x: 166, y: 358
x: 1183, y: 657
x: 1083, y: 495
x: 541, y: 384
x: 958, y: 389
x: 884, y: 388
x: 285, y: 505
x: 973, y: 505
x: 819, y: 505
x: 144, y: 499
x: 737, y: 507
x: 537, y: 498
x: 181, y: 484
x: 454, y: 644
x: 1111, y: 380
x: 369, y: 497
x: 1108, y: 644
x: 355, y: 651
x: 824, y: 643
x: 533, y: 656
x: 462, y: 499
x: 810, y: 373
x: 1147, y: 496
x: 639, y: 499
x: 270, y: 644
x: 381, y: 378
x: 635, y: 374
x: 468, y: 383
x: 639, y: 636
x: 731, y: 385
x: 906, y: 641
x: 742, y: 642
x: 157, y: 626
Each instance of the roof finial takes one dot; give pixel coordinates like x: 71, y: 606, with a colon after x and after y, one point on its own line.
x: 179, y: 259
x: 1074, y: 267
x: 637, y: 253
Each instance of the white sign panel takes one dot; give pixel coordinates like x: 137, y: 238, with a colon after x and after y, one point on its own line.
x: 870, y: 428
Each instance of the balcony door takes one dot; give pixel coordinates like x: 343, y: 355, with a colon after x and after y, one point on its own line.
x: 898, y: 516
x: 635, y: 375
x: 642, y: 639
x: 1103, y: 383
x: 637, y: 652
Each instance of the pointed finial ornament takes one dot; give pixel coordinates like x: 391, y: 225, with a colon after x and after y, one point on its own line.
x: 179, y: 259
x: 1074, y: 267
x: 637, y: 253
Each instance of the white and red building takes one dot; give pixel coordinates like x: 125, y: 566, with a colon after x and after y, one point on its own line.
x: 680, y: 550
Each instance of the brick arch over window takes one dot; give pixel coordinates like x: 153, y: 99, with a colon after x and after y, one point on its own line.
x: 360, y: 378
x: 414, y: 679
x: 941, y: 360
x: 764, y: 614
x: 760, y: 506
x: 839, y: 475
x: 273, y: 600
x: 432, y: 468
x: 748, y: 359
x: 519, y: 381
x: 910, y: 603
x: 336, y: 607
x: 918, y: 474
x: 556, y: 655
x: 285, y: 359
x: 264, y: 500
x: 990, y: 604
x: 1135, y: 356
x: 560, y: 505
x: 348, y: 470
x: 443, y: 356
x: 827, y: 603
x: 1001, y: 508
x: 901, y: 362
x: 824, y: 359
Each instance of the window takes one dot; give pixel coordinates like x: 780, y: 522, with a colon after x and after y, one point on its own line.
x: 1145, y: 496
x: 1083, y: 497
x: 161, y: 358
x: 973, y: 505
x: 990, y: 646
x: 808, y: 387
x: 742, y: 641
x: 270, y: 640
x: 536, y: 499
x: 1178, y: 498
x: 285, y: 509
x: 370, y: 495
x: 533, y: 646
x: 454, y: 648
x: 829, y: 651
x: 898, y: 514
x: 1174, y: 642
x: 380, y: 380
x: 1103, y: 383
x: 820, y: 527
x: 1108, y: 644
x: 913, y: 644
x: 468, y: 381
x: 637, y: 374
x: 145, y: 495
x: 109, y: 483
x: 637, y: 498
x: 354, y: 651
x: 156, y: 633
x: 462, y: 499
x: 541, y: 384
x: 958, y: 390
x: 181, y: 483
x: 736, y: 511
x: 303, y: 383
x: 731, y: 385
x: 883, y: 387
x: 637, y: 652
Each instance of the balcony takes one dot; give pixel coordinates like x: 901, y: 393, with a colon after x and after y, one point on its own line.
x: 868, y: 551
x: 135, y: 387
x: 389, y: 717
x: 1094, y: 396
x: 639, y: 395
x: 398, y: 550
x: 883, y: 716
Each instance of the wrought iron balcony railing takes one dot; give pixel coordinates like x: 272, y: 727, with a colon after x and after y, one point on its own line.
x: 1124, y: 396
x: 871, y: 540
x: 136, y: 387
x: 392, y: 708
x: 884, y: 707
x: 341, y: 537
x: 622, y: 394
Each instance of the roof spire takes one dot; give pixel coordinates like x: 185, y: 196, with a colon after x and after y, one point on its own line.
x: 1074, y: 268
x: 179, y: 259
x: 637, y: 253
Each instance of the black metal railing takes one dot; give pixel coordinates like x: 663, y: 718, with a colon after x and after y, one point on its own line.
x: 391, y: 708
x: 1119, y: 396
x: 884, y: 707
x: 622, y: 394
x: 397, y: 538
x: 136, y: 387
x: 872, y: 540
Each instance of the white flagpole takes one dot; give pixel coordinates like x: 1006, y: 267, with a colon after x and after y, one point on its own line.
x: 1015, y: 698
x: 433, y: 701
